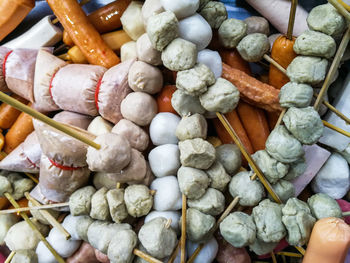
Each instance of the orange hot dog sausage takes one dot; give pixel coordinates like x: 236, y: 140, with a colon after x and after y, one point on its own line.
x: 255, y: 123
x: 104, y: 19
x: 8, y: 114
x: 234, y: 60
x: 83, y: 33
x: 19, y: 131
x: 329, y: 241
x: 12, y: 13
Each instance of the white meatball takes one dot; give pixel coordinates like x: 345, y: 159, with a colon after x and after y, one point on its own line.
x: 181, y: 8
x: 212, y: 60
x: 69, y: 223
x: 164, y: 160
x: 44, y: 254
x: 65, y: 248
x: 99, y: 126
x: 168, y: 195
x: 163, y: 127
x: 173, y: 215
x: 208, y: 252
x: 196, y: 30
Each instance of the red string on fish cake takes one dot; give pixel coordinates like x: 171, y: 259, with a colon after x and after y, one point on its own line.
x: 63, y: 167
x: 97, y: 91
x: 4, y: 63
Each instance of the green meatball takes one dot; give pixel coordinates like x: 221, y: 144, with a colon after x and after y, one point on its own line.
x: 212, y: 202
x: 295, y: 95
x: 231, y: 32
x: 322, y: 206
x: 80, y: 201
x: 199, y: 226
x: 253, y: 47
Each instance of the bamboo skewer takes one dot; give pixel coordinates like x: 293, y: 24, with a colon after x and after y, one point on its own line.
x: 75, y: 133
x: 35, y: 229
x: 174, y: 254
x: 340, y: 9
x: 347, y: 213
x: 9, y: 258
x: 183, y: 229
x: 251, y: 162
x: 291, y: 21
x: 24, y: 209
x: 145, y: 256
x: 301, y: 250
x: 274, y: 62
x: 274, y: 260
x: 32, y: 177
x: 289, y: 254
x: 335, y: 128
x: 334, y: 66
x: 53, y: 222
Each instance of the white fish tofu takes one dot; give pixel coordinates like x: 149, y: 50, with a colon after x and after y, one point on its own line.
x: 168, y: 195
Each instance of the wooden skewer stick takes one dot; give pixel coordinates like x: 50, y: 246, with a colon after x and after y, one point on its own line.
x: 274, y: 260
x: 32, y: 177
x: 183, y: 229
x: 301, y: 250
x: 55, y: 124
x: 335, y: 128
x: 251, y: 162
x: 340, y: 9
x: 347, y: 213
x: 24, y: 209
x: 333, y: 68
x: 174, y: 254
x: 35, y: 229
x: 168, y: 223
x: 145, y: 256
x: 274, y: 62
x: 289, y: 254
x: 9, y: 258
x: 53, y: 222
x: 217, y: 225
x: 291, y: 21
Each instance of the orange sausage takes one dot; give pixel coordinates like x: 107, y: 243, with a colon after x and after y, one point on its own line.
x: 255, y: 123
x: 282, y: 52
x: 83, y: 33
x: 8, y: 114
x: 252, y: 90
x: 104, y: 19
x: 329, y: 242
x: 12, y: 13
x: 18, y: 132
x: 4, y: 203
x: 234, y: 60
x: 164, y: 99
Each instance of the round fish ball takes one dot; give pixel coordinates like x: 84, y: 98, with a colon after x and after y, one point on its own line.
x: 230, y: 157
x: 121, y: 247
x: 108, y: 180
x: 164, y: 160
x: 136, y: 136
x: 181, y: 8
x: 138, y: 200
x: 99, y: 205
x: 112, y: 157
x: 82, y: 225
x: 284, y: 190
x: 257, y: 24
x: 231, y: 32
x: 212, y: 202
x: 191, y: 127
x: 150, y: 8
x: 322, y: 205
x: 168, y: 195
x: 218, y: 176
x: 199, y: 226
x: 116, y: 203
x: 128, y: 51
x: 99, y: 126
x: 6, y: 222
x: 174, y: 216
x: 179, y: 55
x: 158, y: 239
x: 21, y: 186
x: 145, y: 77
x: 215, y: 13
x: 295, y: 95
x: 163, y: 128
x: 196, y: 30
x: 192, y: 182
x: 5, y: 186
x: 44, y: 254
x: 212, y: 60
x: 70, y: 224
x: 25, y: 256
x: 185, y: 104
x: 136, y: 170
x: 253, y: 47
x: 250, y: 192
x: 223, y: 97
x: 65, y: 248
x: 146, y: 52
x: 80, y: 201
x: 207, y: 253
x: 260, y: 247
x: 139, y: 107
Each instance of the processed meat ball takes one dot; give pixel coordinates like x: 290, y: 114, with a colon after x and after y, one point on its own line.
x: 230, y: 157
x: 150, y: 8
x: 231, y: 32
x: 120, y: 249
x: 312, y: 43
x: 136, y: 136
x: 322, y: 205
x: 193, y: 182
x: 185, y: 104
x: 197, y: 153
x: 161, y: 29
x: 173, y: 215
x: 211, y: 203
x: 112, y: 157
x: 145, y: 77
x: 136, y: 171
x: 215, y: 13
x: 80, y: 201
x: 138, y: 200
x: 82, y: 226
x: 128, y: 51
x: 257, y: 24
x: 164, y: 160
x: 253, y: 47
x: 131, y: 20
x: 5, y: 185
x: 6, y: 222
x: 21, y: 186
x: 199, y: 226
x: 222, y: 97
x: 191, y: 127
x: 218, y: 176
x: 99, y: 126
x: 168, y: 195
x: 283, y: 189
x: 146, y: 52
x: 212, y: 60
x: 295, y: 95
x: 25, y: 256
x: 139, y: 107
x: 181, y: 8
x: 116, y: 204
x: 163, y: 127
x: 179, y: 55
x: 295, y: 169
x: 65, y: 248
x: 108, y: 180
x: 260, y: 247
x: 195, y: 81
x: 99, y: 205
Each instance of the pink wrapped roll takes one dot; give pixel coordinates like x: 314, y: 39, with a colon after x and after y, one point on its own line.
x: 25, y: 158
x: 4, y: 53
x: 60, y: 147
x: 18, y: 68
x: 85, y: 254
x: 46, y: 67
x: 101, y: 257
x: 74, y: 88
x: 58, y: 182
x: 113, y: 89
